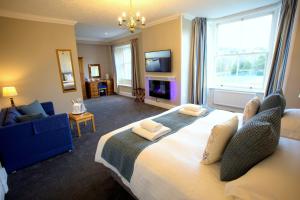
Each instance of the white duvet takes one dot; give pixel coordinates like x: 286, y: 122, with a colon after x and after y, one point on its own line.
x: 171, y: 168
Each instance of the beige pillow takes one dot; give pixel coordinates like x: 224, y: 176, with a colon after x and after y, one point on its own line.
x: 251, y: 109
x: 218, y: 139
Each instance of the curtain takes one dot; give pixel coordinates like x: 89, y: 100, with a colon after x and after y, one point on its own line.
x: 198, y: 93
x: 280, y: 56
x: 114, y: 71
x: 135, y: 66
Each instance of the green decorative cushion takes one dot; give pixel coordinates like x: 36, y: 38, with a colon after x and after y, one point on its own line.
x: 252, y: 143
x: 33, y: 108
x: 26, y: 118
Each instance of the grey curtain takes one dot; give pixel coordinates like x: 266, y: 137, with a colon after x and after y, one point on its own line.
x: 198, y: 93
x: 114, y: 71
x: 135, y: 66
x: 280, y: 56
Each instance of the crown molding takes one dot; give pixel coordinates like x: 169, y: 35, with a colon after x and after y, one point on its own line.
x: 162, y: 20
x: 30, y: 17
x: 188, y: 16
x: 124, y: 35
x: 92, y: 41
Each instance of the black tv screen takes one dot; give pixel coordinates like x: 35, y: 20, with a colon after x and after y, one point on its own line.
x: 159, y: 89
x: 158, y: 61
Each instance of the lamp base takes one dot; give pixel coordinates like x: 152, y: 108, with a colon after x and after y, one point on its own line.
x: 12, y: 102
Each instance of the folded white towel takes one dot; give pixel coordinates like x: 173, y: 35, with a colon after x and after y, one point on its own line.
x: 192, y: 113
x: 150, y: 135
x: 192, y: 107
x: 150, y: 125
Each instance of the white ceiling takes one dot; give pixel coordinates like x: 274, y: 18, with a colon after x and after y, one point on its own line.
x: 97, y: 19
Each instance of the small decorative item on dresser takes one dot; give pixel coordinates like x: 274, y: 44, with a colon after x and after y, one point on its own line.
x: 82, y: 118
x: 10, y: 92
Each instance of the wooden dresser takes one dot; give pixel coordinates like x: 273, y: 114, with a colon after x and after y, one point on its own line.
x: 92, y: 87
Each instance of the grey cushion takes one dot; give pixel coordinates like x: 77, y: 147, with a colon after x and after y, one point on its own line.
x: 33, y: 108
x: 272, y: 101
x: 252, y: 143
x: 282, y: 97
x: 25, y: 118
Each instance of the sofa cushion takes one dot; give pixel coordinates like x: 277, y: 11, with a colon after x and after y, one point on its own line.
x: 11, y: 116
x: 252, y: 143
x: 33, y: 108
x: 26, y: 118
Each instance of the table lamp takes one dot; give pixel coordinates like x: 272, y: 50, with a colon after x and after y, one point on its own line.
x: 10, y: 92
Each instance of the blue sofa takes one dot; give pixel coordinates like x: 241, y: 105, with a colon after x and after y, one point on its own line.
x: 23, y: 144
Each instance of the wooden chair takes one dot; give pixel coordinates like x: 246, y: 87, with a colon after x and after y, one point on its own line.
x: 139, y: 94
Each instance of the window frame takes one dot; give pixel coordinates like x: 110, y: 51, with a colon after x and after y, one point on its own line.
x: 128, y: 80
x: 213, y: 24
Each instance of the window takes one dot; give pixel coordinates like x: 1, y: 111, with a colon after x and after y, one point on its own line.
x: 240, y: 51
x: 122, y: 56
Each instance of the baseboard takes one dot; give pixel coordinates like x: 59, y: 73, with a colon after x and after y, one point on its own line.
x: 126, y: 94
x: 159, y: 104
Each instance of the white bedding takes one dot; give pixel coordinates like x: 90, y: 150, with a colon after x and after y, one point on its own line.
x: 171, y: 168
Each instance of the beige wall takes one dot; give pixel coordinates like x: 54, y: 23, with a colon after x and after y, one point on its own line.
x: 95, y: 54
x: 28, y: 61
x: 292, y: 84
x: 161, y: 37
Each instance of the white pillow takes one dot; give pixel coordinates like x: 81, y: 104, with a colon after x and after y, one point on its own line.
x: 218, y: 139
x: 251, y: 109
x: 290, y: 124
x: 276, y: 177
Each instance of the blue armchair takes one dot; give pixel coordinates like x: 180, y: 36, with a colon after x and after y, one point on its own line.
x: 24, y: 144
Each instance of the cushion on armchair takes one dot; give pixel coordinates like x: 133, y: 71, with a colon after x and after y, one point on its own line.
x: 26, y: 118
x: 33, y: 108
x: 11, y: 116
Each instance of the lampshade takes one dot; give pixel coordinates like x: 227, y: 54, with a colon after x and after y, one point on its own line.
x: 9, y: 91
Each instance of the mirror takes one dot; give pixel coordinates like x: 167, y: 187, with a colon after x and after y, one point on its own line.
x: 66, y: 70
x: 94, y: 71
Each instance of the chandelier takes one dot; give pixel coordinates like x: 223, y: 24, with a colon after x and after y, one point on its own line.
x: 132, y: 21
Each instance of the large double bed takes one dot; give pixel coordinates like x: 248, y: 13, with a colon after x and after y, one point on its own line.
x: 171, y: 168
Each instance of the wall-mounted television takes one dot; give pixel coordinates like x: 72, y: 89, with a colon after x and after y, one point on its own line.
x: 158, y: 61
x: 159, y: 89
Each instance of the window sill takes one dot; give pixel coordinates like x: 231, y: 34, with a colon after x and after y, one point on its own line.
x: 124, y: 85
x: 237, y: 89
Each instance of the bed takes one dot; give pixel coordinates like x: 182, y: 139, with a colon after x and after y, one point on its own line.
x: 170, y: 168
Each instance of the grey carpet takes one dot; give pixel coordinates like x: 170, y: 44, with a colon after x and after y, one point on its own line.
x: 75, y: 175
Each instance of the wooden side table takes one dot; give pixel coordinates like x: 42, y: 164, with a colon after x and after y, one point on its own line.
x: 82, y: 118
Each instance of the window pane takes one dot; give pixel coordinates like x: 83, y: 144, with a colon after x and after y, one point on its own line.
x: 255, y: 34
x: 226, y: 66
x: 228, y: 37
x: 238, y: 52
x: 122, y: 55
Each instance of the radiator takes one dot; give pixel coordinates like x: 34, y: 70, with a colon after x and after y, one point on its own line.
x: 231, y: 98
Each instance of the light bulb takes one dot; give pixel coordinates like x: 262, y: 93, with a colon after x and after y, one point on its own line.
x: 138, y: 16
x: 143, y: 20
x: 120, y: 21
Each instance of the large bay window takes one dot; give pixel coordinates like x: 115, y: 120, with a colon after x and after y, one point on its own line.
x: 240, y: 51
x: 122, y: 57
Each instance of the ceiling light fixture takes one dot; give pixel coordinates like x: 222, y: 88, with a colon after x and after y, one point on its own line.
x: 132, y: 21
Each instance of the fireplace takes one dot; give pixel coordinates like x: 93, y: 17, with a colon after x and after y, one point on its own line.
x: 159, y: 89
